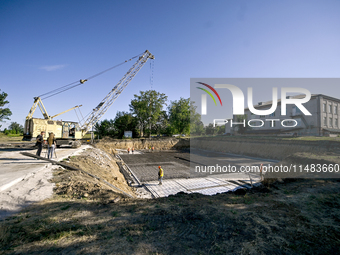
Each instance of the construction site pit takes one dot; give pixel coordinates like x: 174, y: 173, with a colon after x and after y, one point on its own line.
x: 141, y: 167
x: 109, y: 174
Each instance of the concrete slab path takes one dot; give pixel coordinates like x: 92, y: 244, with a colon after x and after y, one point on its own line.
x: 205, y: 186
x: 24, y: 180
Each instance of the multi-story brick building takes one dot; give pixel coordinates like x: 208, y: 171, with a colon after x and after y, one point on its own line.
x: 324, y: 120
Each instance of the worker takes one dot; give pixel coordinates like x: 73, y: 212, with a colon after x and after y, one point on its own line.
x: 128, y: 150
x: 160, y: 175
x: 39, y: 143
x: 51, y: 143
x: 133, y: 149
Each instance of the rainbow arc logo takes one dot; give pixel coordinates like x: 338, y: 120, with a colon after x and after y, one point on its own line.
x: 209, y: 93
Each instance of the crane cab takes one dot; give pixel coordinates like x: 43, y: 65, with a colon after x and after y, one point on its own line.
x: 66, y: 132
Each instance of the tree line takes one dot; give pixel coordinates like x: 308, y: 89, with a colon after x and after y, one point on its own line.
x: 150, y: 115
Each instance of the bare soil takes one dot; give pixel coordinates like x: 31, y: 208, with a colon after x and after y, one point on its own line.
x: 297, y: 216
x: 76, y: 184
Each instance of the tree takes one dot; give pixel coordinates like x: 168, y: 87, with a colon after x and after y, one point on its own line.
x: 125, y: 122
x: 196, y: 125
x: 220, y: 129
x: 162, y: 125
x: 16, y: 128
x: 240, y: 128
x: 197, y: 128
x: 4, y: 112
x: 147, y: 108
x: 179, y: 115
x: 210, y: 129
x: 105, y: 128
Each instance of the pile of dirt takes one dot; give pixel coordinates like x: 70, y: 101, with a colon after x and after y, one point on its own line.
x: 105, y: 146
x: 77, y: 184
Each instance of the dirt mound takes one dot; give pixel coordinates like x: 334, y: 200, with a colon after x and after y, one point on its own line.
x: 167, y: 143
x: 77, y: 184
x: 105, y: 146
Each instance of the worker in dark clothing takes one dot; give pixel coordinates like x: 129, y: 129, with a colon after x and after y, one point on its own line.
x: 40, y: 141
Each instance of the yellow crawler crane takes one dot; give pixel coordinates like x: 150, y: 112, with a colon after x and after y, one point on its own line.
x: 69, y: 132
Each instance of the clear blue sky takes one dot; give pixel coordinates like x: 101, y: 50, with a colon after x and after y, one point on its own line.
x: 48, y: 44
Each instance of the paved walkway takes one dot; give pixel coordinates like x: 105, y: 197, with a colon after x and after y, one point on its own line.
x: 14, y: 167
x: 24, y: 180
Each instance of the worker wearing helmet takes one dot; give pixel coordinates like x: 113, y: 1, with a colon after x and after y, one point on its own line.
x: 160, y: 175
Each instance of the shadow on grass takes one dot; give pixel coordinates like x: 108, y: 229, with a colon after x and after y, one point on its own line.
x: 257, y: 222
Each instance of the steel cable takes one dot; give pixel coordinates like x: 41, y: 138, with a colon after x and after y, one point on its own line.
x: 61, y: 89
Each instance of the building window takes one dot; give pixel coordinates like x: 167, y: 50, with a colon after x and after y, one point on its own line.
x: 330, y: 122
x: 330, y: 108
x: 336, y: 123
x: 262, y: 116
x: 324, y: 107
x: 336, y: 109
x: 324, y: 121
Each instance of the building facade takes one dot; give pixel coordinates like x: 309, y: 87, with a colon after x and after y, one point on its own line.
x: 324, y: 120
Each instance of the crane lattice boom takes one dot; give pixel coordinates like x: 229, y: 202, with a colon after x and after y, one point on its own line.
x: 105, y: 104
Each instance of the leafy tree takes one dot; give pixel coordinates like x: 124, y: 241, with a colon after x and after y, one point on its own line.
x: 210, y: 129
x: 196, y: 125
x: 179, y: 115
x: 16, y: 128
x: 217, y: 130
x: 220, y: 129
x: 240, y: 128
x: 162, y: 124
x: 105, y: 128
x: 4, y: 112
x: 197, y: 128
x: 125, y: 122
x: 147, y: 108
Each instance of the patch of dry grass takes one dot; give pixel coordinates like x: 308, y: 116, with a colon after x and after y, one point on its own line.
x: 9, y: 138
x: 298, y: 217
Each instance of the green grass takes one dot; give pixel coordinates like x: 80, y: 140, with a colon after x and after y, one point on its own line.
x: 115, y: 214
x: 302, y: 138
x: 10, y: 137
x: 15, y: 135
x: 87, y: 136
x: 313, y: 138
